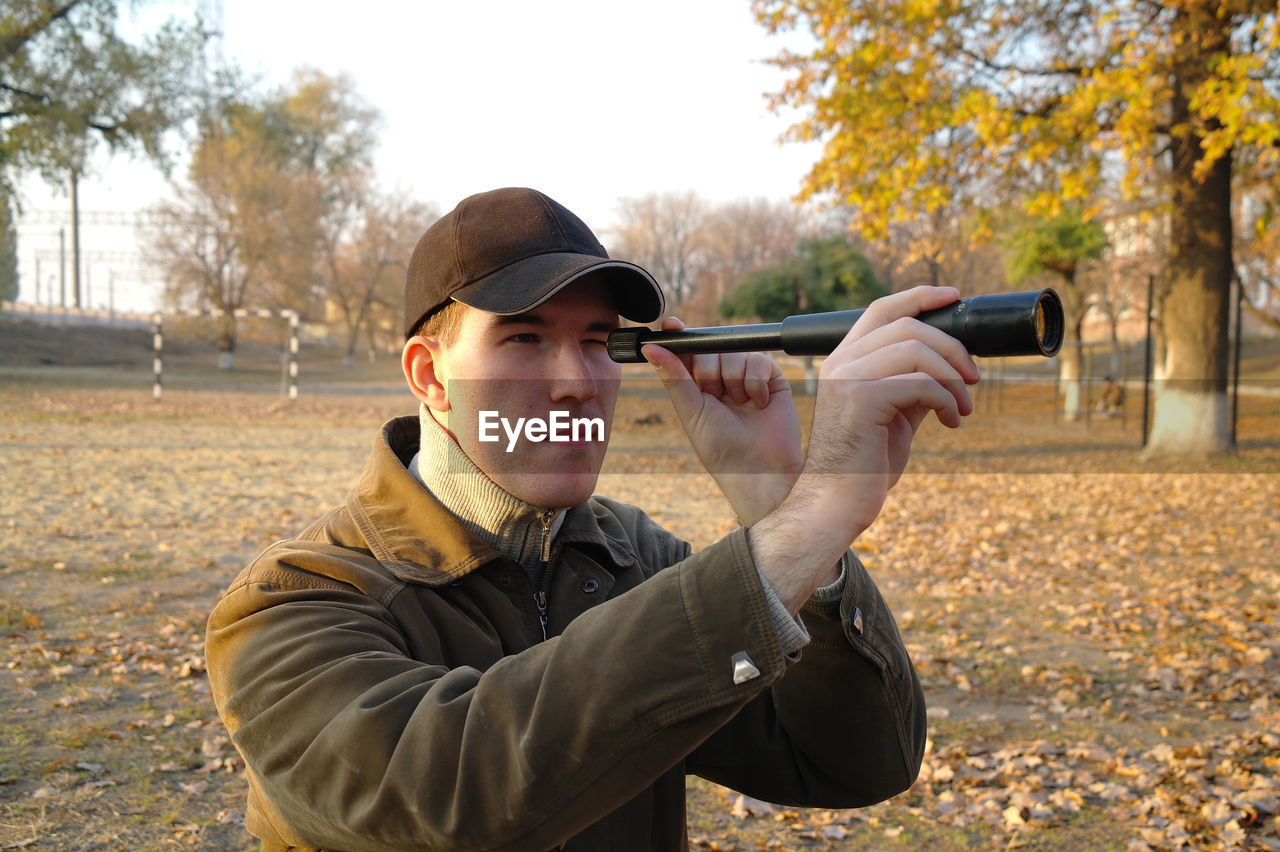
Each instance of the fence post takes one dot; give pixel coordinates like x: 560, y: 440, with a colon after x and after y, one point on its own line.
x: 157, y: 342
x: 293, y: 355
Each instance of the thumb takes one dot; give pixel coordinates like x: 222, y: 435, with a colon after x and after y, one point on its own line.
x: 680, y: 386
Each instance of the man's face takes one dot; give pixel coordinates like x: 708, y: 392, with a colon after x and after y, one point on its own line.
x: 548, y: 365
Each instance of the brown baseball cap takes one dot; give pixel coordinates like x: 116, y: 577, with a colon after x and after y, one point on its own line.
x: 509, y: 250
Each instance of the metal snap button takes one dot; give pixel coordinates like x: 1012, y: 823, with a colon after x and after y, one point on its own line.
x: 590, y: 586
x: 744, y: 668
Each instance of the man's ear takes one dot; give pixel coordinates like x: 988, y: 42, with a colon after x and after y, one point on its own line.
x: 420, y: 361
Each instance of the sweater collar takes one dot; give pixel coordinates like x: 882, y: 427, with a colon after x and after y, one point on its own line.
x: 415, y: 537
x: 516, y: 529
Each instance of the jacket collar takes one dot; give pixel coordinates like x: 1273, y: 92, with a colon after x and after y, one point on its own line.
x: 420, y: 541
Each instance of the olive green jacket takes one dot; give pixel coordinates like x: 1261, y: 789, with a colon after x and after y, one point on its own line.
x: 386, y: 679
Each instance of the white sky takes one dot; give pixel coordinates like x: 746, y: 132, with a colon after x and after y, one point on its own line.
x: 587, y: 100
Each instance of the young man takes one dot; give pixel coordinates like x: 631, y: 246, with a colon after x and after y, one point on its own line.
x: 474, y: 652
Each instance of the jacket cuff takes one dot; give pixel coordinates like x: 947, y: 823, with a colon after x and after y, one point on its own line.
x: 792, y: 635
x: 833, y: 592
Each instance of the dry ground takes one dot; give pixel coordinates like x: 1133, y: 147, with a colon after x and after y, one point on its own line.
x: 1098, y: 635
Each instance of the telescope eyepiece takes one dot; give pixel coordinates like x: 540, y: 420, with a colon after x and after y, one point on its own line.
x: 624, y: 345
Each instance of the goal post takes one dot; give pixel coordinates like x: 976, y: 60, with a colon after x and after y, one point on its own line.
x: 290, y: 316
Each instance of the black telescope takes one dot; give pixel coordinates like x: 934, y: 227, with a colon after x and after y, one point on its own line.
x: 1027, y: 323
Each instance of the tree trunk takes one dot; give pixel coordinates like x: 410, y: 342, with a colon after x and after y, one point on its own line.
x: 226, y: 340
x: 1071, y: 362
x: 1191, y: 400
x: 1115, y: 362
x: 1071, y: 375
x: 353, y: 329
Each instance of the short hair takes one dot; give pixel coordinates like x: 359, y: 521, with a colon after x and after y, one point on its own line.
x: 442, y: 323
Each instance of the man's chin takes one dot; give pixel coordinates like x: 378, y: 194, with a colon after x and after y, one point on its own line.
x: 552, y: 490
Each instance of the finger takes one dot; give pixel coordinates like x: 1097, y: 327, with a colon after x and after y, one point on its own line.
x: 910, y: 328
x: 908, y: 303
x: 908, y: 357
x: 707, y: 373
x: 672, y: 324
x: 677, y: 324
x: 915, y: 395
x: 877, y: 405
x: 915, y: 416
x: 761, y: 377
x: 733, y: 372
x: 680, y: 387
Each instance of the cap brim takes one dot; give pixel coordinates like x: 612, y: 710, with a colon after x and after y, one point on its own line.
x: 524, y: 285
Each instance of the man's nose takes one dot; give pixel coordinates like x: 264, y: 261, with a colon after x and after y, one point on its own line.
x: 573, y: 377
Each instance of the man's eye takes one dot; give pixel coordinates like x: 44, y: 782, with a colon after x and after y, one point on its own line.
x: 601, y: 342
x: 525, y: 337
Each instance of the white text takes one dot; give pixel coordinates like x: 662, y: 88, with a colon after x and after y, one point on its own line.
x: 559, y: 427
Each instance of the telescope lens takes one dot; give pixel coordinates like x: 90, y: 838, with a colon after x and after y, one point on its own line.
x: 1048, y: 323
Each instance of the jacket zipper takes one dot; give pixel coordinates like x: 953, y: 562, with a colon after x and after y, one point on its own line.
x: 540, y: 596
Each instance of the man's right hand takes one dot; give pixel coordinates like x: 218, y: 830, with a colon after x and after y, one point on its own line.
x: 737, y: 410
x: 874, y: 391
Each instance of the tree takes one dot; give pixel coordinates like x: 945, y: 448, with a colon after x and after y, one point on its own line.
x: 822, y: 275
x: 660, y: 232
x: 1060, y: 246
x: 206, y: 241
x: 8, y: 252
x: 322, y: 134
x: 1059, y: 98
x: 937, y: 249
x: 69, y: 81
x: 369, y: 269
x: 699, y: 250
x: 737, y: 237
x: 272, y: 195
x: 826, y: 274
